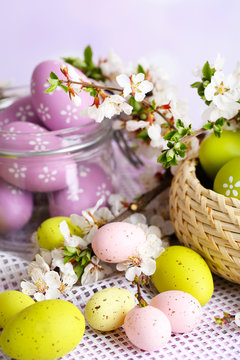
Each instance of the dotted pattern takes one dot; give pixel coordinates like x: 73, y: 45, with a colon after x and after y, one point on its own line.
x: 208, y: 341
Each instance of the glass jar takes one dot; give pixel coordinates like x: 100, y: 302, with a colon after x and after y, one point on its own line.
x: 51, y: 173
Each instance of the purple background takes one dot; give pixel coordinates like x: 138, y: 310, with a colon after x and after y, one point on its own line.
x: 178, y: 34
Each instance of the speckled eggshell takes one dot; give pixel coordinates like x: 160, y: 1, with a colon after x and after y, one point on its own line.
x: 39, y: 173
x: 26, y: 136
x: 115, y: 242
x: 182, y: 310
x: 20, y: 110
x: 147, y: 328
x: 55, y: 109
x: 91, y: 184
x: 16, y: 207
x: 106, y: 310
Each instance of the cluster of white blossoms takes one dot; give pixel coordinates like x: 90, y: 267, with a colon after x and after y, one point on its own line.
x: 223, y: 91
x: 143, y: 263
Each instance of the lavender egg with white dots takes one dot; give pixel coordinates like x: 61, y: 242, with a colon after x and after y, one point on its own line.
x: 92, y: 183
x: 55, y: 109
x: 16, y: 207
x: 39, y: 173
x: 26, y: 136
x: 21, y: 110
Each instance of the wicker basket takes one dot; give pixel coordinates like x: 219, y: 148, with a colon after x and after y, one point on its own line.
x: 207, y: 222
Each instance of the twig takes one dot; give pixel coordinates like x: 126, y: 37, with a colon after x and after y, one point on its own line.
x: 145, y: 199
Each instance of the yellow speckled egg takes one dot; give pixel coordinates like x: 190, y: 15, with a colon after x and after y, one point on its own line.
x: 11, y: 303
x: 45, y: 330
x: 106, y: 310
x: 181, y: 268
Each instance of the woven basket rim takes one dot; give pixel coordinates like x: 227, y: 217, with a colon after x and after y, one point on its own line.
x: 209, y: 193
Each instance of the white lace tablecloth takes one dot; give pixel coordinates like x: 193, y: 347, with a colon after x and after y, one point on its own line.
x: 208, y: 341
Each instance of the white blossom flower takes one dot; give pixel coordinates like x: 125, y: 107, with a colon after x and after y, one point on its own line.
x: 112, y: 105
x: 212, y: 112
x: 218, y: 63
x: 116, y: 202
x: 94, y: 271
x: 223, y: 90
x: 70, y: 239
x: 165, y: 225
x: 135, y: 266
x: 135, y: 85
x: 148, y: 178
x: 44, y: 285
x: 112, y: 65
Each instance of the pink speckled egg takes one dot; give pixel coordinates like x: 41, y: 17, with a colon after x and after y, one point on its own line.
x: 16, y: 207
x: 182, y: 309
x: 39, y: 173
x: 26, y: 136
x: 116, y: 242
x: 20, y: 110
x: 92, y: 183
x: 147, y: 327
x: 55, y: 109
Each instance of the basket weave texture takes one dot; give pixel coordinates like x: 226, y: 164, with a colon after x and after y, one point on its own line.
x: 206, y: 221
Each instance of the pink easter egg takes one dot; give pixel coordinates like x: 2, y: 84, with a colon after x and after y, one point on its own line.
x: 26, y: 136
x: 21, y: 110
x: 55, y: 109
x: 92, y: 183
x: 117, y: 242
x: 39, y: 173
x: 16, y: 207
x: 147, y: 328
x: 182, y: 309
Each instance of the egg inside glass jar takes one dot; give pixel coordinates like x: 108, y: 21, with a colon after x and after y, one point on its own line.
x: 38, y: 160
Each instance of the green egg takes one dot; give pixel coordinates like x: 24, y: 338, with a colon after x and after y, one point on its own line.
x: 49, y: 235
x: 45, y: 330
x: 214, y: 152
x: 227, y: 180
x: 11, y: 303
x: 181, y: 268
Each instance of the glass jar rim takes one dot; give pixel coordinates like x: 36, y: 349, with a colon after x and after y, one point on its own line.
x: 94, y: 137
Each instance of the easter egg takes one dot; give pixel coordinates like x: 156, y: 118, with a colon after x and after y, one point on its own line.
x: 106, y: 309
x: 181, y: 268
x: 20, y: 110
x: 116, y: 242
x: 39, y: 173
x: 182, y: 310
x: 26, y: 136
x: 49, y: 235
x: 55, y: 109
x: 147, y: 327
x: 11, y: 303
x: 91, y: 184
x: 214, y: 152
x: 16, y: 207
x: 227, y: 180
x: 45, y: 330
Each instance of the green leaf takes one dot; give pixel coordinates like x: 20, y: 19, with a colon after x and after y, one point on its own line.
x: 65, y: 88
x: 53, y: 76
x: 170, y: 154
x: 70, y: 250
x: 51, y: 88
x: 68, y: 258
x: 183, y: 146
x: 78, y: 268
x: 207, y: 71
x: 196, y: 84
x: 179, y: 124
x: 143, y: 134
x: 170, y: 134
x: 88, y: 55
x: 140, y: 69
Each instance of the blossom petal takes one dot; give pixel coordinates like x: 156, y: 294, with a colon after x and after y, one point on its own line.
x: 28, y: 288
x: 52, y: 293
x: 123, y: 80
x: 132, y: 272
x: 52, y: 279
x: 148, y: 267
x: 39, y: 296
